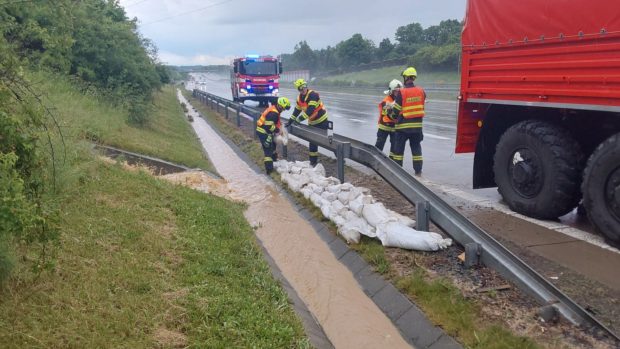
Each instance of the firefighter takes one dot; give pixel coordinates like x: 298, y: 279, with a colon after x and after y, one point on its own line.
x: 409, y: 113
x: 309, y: 106
x: 386, y: 122
x: 267, y: 127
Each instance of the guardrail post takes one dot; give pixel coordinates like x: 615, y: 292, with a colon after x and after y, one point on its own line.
x: 226, y: 106
x: 472, y: 254
x: 254, y: 121
x: 217, y: 106
x: 421, y: 212
x: 342, y: 151
x: 284, y: 151
x: 238, y: 115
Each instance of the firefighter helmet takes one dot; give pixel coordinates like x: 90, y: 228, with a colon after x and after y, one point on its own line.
x: 394, y: 84
x: 284, y: 103
x: 410, y: 72
x: 300, y: 83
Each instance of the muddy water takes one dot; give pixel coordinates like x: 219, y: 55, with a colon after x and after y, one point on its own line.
x: 349, y: 318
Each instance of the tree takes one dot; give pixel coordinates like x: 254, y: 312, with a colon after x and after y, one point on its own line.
x: 304, y: 56
x: 385, y: 48
x: 356, y: 50
x: 447, y: 32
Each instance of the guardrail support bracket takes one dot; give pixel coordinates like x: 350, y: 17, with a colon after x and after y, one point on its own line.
x: 472, y: 254
x: 422, y: 209
x: 343, y: 150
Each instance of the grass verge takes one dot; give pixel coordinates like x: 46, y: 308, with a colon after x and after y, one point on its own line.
x: 167, y: 136
x: 381, y: 76
x: 443, y: 303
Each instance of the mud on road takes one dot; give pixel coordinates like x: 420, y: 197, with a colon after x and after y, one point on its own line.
x: 509, y: 306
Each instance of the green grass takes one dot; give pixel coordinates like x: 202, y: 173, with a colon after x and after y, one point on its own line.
x: 442, y: 302
x: 168, y: 136
x: 382, y: 76
x: 139, y: 262
x: 139, y: 257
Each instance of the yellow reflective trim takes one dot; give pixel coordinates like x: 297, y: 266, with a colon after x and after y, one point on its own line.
x: 313, y: 104
x: 397, y: 157
x: 266, y: 122
x: 397, y: 107
x: 413, y: 113
x: 409, y: 125
x: 301, y: 117
x: 386, y: 128
x: 319, y: 120
x: 272, y: 128
x: 261, y: 130
x: 314, y: 153
x: 267, y: 159
x: 417, y: 158
x: 414, y: 107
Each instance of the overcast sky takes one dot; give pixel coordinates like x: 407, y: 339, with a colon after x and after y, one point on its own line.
x: 189, y: 32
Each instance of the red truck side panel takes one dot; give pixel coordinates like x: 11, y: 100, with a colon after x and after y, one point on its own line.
x: 552, y: 53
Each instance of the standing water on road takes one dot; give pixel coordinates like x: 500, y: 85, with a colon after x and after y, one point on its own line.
x: 348, y: 317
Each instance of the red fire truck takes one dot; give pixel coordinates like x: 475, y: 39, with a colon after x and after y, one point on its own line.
x: 255, y: 78
x: 540, y: 105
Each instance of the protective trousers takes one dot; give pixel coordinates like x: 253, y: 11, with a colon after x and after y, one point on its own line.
x: 382, y: 136
x: 313, y: 148
x: 414, y: 139
x: 269, y: 149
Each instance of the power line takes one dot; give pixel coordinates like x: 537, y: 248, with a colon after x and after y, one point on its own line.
x: 188, y: 12
x: 135, y: 3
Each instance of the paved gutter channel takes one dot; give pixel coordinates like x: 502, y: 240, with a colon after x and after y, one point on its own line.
x: 406, y: 316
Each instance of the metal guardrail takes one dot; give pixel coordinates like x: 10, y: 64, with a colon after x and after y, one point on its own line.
x: 479, y: 245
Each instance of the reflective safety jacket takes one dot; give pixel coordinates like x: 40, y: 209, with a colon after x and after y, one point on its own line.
x: 309, y: 106
x: 386, y: 123
x: 410, y: 107
x: 269, y: 121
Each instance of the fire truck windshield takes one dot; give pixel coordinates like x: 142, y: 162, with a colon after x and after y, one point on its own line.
x: 258, y: 68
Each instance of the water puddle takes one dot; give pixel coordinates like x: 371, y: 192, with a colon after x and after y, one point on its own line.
x: 348, y: 317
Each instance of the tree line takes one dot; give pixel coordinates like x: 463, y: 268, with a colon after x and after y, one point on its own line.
x: 99, y: 48
x: 434, y: 48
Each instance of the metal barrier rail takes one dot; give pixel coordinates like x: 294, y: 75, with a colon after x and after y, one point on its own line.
x: 479, y: 246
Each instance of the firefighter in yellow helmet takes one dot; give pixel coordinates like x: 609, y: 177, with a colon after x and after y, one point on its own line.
x: 409, y: 113
x: 309, y: 106
x: 386, y: 122
x: 267, y: 127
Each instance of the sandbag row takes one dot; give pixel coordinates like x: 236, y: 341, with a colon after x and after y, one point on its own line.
x: 354, y: 211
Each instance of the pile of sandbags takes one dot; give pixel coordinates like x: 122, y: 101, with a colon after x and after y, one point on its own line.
x: 354, y: 210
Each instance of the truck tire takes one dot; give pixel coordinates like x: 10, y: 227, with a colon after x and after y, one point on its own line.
x: 601, y: 188
x: 537, y: 168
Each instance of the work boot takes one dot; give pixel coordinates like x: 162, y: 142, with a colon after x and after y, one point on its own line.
x: 418, y: 173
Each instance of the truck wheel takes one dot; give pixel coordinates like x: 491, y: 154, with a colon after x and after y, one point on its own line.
x: 537, y: 169
x: 601, y: 188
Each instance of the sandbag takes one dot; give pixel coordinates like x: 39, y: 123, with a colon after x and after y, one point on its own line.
x: 343, y: 197
x: 320, y: 170
x: 404, y: 220
x: 320, y: 181
x: 337, y: 219
x: 303, y: 164
x: 306, y: 192
x: 333, y: 188
x: 346, y: 186
x: 338, y: 207
x: 329, y: 196
x: 395, y: 234
x: 326, y: 209
x: 357, y: 224
x: 332, y: 180
x: 357, y: 205
x: 316, y: 199
x: 376, y: 214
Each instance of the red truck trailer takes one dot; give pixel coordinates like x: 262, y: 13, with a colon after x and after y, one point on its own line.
x: 255, y: 78
x: 540, y: 105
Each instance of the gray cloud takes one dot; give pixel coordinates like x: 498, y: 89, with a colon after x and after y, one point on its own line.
x: 216, y: 33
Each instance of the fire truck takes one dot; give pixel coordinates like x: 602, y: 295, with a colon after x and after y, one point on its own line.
x: 255, y: 78
x: 540, y: 106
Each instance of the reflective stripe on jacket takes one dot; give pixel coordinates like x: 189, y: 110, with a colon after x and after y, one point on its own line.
x: 315, y: 106
x: 385, y: 122
x: 269, y: 121
x: 411, y: 109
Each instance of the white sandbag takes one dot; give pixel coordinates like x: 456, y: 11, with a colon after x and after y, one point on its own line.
x: 333, y: 180
x: 303, y: 164
x: 338, y: 207
x: 320, y: 181
x: 404, y: 220
x: 326, y: 210
x: 359, y: 224
x: 317, y: 189
x: 357, y: 205
x: 337, y: 219
x: 350, y: 235
x: 329, y: 196
x: 333, y: 188
x: 316, y: 199
x: 320, y: 170
x: 343, y: 197
x: 306, y: 192
x: 297, y: 182
x: 395, y: 234
x: 282, y: 137
x: 295, y: 169
x: 346, y: 186
x: 376, y: 214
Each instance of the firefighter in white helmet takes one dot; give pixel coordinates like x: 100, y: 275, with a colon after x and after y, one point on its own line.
x: 386, y: 122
